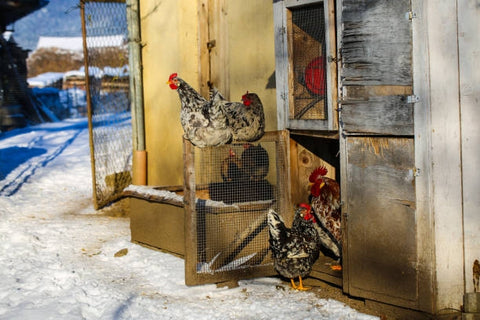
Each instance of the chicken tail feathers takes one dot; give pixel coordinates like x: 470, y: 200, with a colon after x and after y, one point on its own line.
x: 277, y: 229
x: 330, y: 245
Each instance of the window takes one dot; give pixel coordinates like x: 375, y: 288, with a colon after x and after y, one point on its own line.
x: 306, y: 70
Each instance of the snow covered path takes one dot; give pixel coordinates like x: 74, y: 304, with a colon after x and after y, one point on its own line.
x: 58, y: 256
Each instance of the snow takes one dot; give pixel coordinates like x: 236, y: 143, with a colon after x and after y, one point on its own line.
x: 116, y: 72
x: 58, y: 255
x: 68, y: 43
x: 76, y: 43
x: 45, y: 79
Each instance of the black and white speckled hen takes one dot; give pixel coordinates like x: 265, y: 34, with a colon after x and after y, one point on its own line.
x: 325, y: 201
x: 294, y: 250
x: 246, y: 118
x: 204, y: 121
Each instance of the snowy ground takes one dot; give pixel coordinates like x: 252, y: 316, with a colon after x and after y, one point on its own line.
x: 57, y: 255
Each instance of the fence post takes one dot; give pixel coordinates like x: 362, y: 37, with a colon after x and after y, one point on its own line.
x: 136, y: 94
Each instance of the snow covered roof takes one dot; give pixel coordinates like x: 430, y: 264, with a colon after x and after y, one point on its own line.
x: 76, y: 43
x: 44, y: 79
x: 48, y: 78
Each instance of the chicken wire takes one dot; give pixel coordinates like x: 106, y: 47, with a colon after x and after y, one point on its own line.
x: 110, y: 119
x: 235, y: 185
x: 308, y: 62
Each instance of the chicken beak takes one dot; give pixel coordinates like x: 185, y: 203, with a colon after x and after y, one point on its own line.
x: 310, y: 184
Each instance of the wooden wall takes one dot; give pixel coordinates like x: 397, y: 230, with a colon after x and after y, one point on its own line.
x: 175, y: 35
x: 170, y: 44
x: 469, y: 63
x: 446, y: 48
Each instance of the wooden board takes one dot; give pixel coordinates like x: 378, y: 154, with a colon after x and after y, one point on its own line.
x: 379, y: 211
x: 156, y: 224
x: 469, y: 51
x: 376, y: 43
x: 386, y: 115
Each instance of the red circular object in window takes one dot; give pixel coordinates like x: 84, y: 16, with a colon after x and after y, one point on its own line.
x: 315, y: 76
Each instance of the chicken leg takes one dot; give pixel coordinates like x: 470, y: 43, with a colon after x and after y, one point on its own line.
x: 300, y: 285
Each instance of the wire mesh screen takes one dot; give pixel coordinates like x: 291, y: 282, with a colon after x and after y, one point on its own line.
x: 111, y: 131
x: 306, y: 34
x: 235, y: 185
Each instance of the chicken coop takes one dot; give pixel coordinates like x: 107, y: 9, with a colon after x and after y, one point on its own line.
x: 381, y: 93
x: 392, y: 129
x: 218, y: 219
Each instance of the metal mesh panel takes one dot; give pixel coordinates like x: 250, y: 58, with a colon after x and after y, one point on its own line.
x: 235, y: 185
x: 308, y: 62
x: 111, y: 135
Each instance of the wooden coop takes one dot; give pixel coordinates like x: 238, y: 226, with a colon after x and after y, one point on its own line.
x: 372, y: 102
x: 218, y: 220
x: 382, y: 93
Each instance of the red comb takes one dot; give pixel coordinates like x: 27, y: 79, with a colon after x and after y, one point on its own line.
x: 173, y: 75
x: 305, y: 206
x: 320, y: 171
x: 246, y: 100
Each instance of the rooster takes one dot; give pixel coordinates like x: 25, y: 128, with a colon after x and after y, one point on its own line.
x: 246, y: 118
x: 325, y: 201
x: 204, y: 121
x: 294, y: 250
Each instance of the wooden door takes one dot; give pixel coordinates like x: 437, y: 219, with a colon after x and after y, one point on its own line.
x: 377, y: 146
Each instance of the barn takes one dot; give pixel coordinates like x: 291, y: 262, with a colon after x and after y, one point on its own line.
x: 382, y: 92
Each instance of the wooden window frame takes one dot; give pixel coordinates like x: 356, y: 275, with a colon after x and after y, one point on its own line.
x: 284, y: 70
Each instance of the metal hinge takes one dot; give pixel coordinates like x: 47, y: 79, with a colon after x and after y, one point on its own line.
x: 413, y: 99
x: 417, y: 172
x: 411, y: 15
x: 332, y: 59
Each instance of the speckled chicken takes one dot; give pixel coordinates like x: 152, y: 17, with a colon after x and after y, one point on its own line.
x: 325, y: 201
x: 204, y: 121
x: 246, y: 118
x: 254, y: 161
x: 294, y: 250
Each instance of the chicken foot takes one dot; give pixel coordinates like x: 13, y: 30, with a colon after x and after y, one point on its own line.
x: 300, y: 285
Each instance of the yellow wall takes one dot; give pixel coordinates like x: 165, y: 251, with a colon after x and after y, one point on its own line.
x: 243, y: 59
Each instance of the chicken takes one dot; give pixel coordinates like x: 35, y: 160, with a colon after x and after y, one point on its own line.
x: 204, y: 122
x: 295, y: 250
x: 231, y: 169
x: 246, y: 118
x: 325, y: 201
x: 255, y: 163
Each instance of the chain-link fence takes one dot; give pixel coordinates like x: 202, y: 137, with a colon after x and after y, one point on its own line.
x: 105, y: 28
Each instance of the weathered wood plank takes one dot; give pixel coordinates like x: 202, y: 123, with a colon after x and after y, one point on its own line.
x: 385, y: 115
x: 376, y: 42
x: 381, y: 246
x: 469, y: 51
